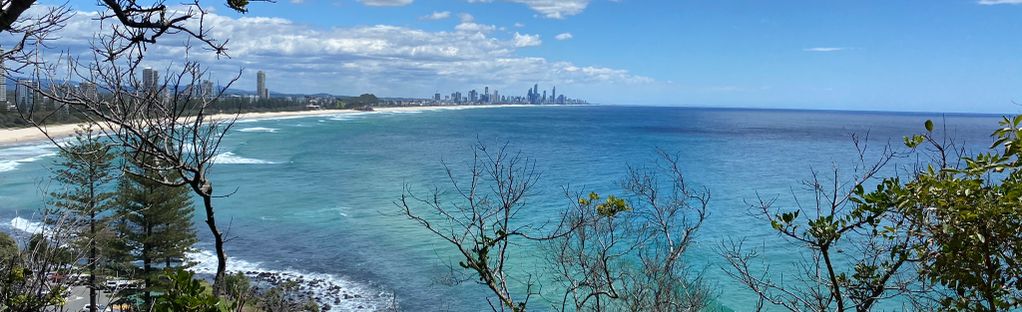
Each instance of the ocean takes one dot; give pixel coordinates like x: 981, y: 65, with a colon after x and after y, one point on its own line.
x: 314, y: 196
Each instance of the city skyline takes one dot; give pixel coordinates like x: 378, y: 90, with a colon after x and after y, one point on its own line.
x: 914, y: 55
x: 532, y: 96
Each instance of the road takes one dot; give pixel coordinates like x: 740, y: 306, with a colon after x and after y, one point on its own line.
x: 80, y: 298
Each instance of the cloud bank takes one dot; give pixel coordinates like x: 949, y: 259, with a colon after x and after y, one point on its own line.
x: 384, y: 59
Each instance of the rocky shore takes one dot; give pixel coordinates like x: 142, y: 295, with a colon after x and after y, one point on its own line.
x: 330, y: 296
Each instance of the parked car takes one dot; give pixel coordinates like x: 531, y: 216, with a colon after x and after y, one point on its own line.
x: 99, y: 307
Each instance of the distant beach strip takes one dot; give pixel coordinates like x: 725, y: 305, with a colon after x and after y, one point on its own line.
x: 19, y: 136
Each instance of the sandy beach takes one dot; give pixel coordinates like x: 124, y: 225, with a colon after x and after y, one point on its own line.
x: 17, y: 136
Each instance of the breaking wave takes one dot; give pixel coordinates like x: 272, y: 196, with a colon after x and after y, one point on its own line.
x: 259, y: 129
x: 12, y: 157
x: 331, y: 290
x: 229, y: 158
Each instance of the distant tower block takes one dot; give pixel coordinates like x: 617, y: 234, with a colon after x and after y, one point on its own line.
x: 261, y: 90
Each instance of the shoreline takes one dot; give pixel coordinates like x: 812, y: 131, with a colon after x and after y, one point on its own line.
x: 22, y: 136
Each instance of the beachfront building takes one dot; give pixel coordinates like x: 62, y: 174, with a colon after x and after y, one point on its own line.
x: 261, y: 90
x: 89, y: 90
x: 3, y: 93
x: 24, y: 94
x: 207, y: 89
x: 149, y: 78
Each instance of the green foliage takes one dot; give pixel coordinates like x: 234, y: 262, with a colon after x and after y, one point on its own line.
x: 238, y: 5
x: 85, y: 173
x: 8, y: 247
x: 960, y: 227
x: 86, y: 166
x: 186, y: 294
x: 237, y: 286
x: 367, y: 99
x: 22, y: 273
x: 971, y: 219
x: 153, y: 224
x: 610, y: 207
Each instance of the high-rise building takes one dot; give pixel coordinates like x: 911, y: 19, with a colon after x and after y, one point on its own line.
x: 89, y: 90
x: 150, y: 78
x: 261, y: 90
x: 207, y: 89
x: 3, y: 85
x: 3, y: 90
x: 24, y: 96
x: 553, y: 95
x: 436, y: 97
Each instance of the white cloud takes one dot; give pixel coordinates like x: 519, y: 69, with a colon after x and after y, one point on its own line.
x: 473, y: 27
x: 993, y: 2
x: 564, y: 36
x: 437, y: 16
x: 384, y: 59
x: 556, y: 9
x: 386, y: 2
x: 824, y: 49
x: 519, y: 25
x: 522, y: 41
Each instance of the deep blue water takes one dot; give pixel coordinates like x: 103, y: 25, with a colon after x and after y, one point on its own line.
x: 316, y: 195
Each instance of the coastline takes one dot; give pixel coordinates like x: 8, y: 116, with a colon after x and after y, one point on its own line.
x: 20, y: 136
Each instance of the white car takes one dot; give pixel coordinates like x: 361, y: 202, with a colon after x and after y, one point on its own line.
x: 99, y: 307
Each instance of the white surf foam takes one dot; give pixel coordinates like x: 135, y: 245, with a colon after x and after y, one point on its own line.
x: 230, y: 158
x: 259, y: 129
x: 350, y: 116
x: 27, y: 226
x: 340, y: 293
x: 12, y: 157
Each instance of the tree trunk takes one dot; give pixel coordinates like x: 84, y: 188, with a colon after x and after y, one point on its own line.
x: 218, y: 243
x: 92, y: 262
x: 147, y: 264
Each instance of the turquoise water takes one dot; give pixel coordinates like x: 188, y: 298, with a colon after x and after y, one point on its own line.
x: 315, y: 195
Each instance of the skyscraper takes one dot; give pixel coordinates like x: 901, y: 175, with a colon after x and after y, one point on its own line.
x: 149, y: 78
x: 207, y: 89
x: 261, y: 86
x: 553, y: 95
x: 24, y: 96
x: 3, y: 92
x: 3, y: 86
x: 89, y: 90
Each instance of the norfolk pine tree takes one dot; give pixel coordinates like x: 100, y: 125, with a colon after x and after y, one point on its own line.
x: 85, y: 172
x: 154, y: 224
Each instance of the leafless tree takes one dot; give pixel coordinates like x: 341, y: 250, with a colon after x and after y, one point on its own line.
x: 588, y: 262
x: 629, y: 255
x: 853, y: 256
x: 674, y: 212
x: 481, y: 219
x: 169, y: 121
x: 138, y: 23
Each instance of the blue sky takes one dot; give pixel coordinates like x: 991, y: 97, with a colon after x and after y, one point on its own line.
x: 947, y: 55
